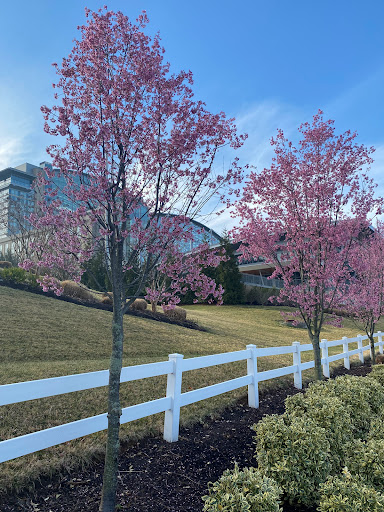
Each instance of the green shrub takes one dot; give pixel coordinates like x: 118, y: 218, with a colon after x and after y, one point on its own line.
x: 366, y: 461
x: 31, y: 280
x: 377, y: 373
x: 349, y: 494
x: 295, y: 452
x: 18, y: 275
x: 329, y: 413
x: 259, y: 296
x: 242, y: 491
x: 376, y: 429
x: 363, y: 398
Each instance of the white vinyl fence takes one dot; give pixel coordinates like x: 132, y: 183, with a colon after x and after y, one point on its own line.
x: 174, y: 399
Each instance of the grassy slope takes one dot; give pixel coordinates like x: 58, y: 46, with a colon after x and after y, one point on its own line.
x: 41, y: 337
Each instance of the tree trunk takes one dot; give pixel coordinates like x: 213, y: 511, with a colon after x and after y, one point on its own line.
x: 372, y: 344
x: 317, y: 356
x: 154, y: 306
x: 108, y: 496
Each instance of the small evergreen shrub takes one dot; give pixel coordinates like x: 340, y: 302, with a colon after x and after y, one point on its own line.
x: 72, y: 289
x: 366, y: 461
x: 256, y: 295
x: 363, y: 397
x: 376, y: 429
x: 242, y: 491
x: 18, y: 275
x: 177, y: 313
x: 295, y: 452
x: 139, y: 305
x: 349, y: 494
x: 377, y: 373
x: 31, y: 280
x: 5, y: 264
x: 329, y: 413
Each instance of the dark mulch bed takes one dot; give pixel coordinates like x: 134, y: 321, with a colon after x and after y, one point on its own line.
x: 166, y: 477
x: 158, y: 317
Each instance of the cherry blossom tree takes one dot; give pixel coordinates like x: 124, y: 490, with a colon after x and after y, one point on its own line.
x: 365, y: 293
x: 137, y: 162
x: 304, y: 215
x: 23, y: 238
x: 179, y: 273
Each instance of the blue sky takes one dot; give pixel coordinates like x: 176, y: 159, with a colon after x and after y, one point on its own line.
x: 270, y: 64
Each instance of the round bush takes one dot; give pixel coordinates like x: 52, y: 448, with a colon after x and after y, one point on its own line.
x: 72, y: 289
x: 139, y: 305
x: 329, y: 413
x: 295, y: 452
x: 377, y: 373
x: 366, y: 461
x: 242, y: 491
x: 176, y: 313
x: 363, y: 398
x: 349, y: 494
x: 5, y: 264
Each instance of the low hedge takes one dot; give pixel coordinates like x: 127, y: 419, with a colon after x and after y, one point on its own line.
x: 349, y: 494
x: 363, y: 398
x: 326, y: 450
x: 377, y: 373
x: 18, y: 275
x: 243, y: 491
x: 330, y: 413
x: 366, y: 462
x: 295, y: 452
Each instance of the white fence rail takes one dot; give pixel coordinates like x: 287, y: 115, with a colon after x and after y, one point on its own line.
x: 174, y: 399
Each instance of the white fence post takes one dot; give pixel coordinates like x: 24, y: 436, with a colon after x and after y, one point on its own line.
x: 380, y: 338
x: 172, y: 416
x: 253, y: 388
x: 347, y: 364
x: 297, y: 379
x: 360, y: 347
x: 324, y: 355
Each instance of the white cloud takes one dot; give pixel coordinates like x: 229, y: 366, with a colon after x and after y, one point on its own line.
x: 22, y: 138
x: 9, y: 150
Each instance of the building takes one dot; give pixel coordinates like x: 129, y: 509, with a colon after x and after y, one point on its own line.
x: 18, y: 199
x: 15, y: 195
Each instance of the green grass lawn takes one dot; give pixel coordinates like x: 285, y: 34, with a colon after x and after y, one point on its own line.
x: 42, y: 337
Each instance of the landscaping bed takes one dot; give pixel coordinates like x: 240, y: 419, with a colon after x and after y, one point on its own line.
x: 158, y: 317
x: 166, y: 477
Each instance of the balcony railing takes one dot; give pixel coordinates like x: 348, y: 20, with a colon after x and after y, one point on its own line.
x: 262, y: 281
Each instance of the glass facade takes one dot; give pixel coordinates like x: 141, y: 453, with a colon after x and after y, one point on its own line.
x: 18, y: 198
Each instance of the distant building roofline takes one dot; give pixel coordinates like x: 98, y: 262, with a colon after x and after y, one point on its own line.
x: 9, y: 171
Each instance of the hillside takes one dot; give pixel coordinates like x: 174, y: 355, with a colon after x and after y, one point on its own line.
x: 42, y: 337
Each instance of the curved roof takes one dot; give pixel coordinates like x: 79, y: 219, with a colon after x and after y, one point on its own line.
x: 198, y: 225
